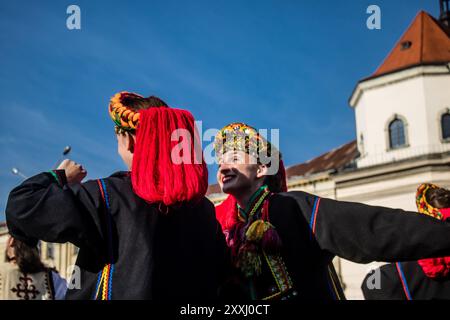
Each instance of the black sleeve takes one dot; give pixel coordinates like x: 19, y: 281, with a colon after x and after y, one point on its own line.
x: 223, y: 254
x: 383, y: 284
x: 363, y: 233
x: 45, y: 209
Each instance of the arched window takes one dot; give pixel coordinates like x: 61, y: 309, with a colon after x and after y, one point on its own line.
x: 397, y: 136
x: 445, y: 125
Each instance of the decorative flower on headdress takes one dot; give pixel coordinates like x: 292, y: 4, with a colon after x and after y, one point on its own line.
x: 422, y: 204
x: 124, y: 117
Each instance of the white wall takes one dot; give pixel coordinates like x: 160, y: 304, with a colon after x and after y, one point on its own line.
x: 437, y: 99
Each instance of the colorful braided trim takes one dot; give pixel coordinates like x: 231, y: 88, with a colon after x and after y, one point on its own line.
x: 315, y: 210
x: 403, y: 281
x: 103, y: 290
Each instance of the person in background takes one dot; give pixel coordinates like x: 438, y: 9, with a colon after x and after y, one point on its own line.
x: 424, y: 279
x: 23, y: 276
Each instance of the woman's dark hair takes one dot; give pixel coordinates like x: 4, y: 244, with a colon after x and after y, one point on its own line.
x: 27, y: 258
x: 438, y: 198
x: 275, y: 181
x: 138, y: 103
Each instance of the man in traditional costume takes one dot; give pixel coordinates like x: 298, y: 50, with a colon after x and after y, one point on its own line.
x: 147, y: 233
x: 282, y: 244
x: 425, y: 279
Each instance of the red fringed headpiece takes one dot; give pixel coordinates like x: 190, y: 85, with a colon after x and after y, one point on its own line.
x: 155, y: 176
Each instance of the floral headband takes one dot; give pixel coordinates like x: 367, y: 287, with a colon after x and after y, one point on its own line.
x: 125, y: 119
x: 422, y: 204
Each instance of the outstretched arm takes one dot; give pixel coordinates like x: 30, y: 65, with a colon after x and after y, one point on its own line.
x: 363, y: 233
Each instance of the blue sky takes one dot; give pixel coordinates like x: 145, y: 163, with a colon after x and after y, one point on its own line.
x: 284, y: 64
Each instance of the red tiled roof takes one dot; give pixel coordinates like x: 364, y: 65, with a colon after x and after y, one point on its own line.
x: 333, y: 160
x: 428, y: 41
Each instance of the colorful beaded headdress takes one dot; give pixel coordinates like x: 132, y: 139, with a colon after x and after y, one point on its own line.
x: 422, y: 204
x: 125, y: 118
x: 239, y: 136
x: 242, y: 137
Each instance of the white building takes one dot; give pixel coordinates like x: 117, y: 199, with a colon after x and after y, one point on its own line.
x: 403, y: 134
x: 402, y: 125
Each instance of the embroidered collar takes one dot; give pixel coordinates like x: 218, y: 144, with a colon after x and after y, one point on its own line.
x: 254, y: 204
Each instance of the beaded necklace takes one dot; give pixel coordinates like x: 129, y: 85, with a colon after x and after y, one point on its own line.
x: 255, y: 202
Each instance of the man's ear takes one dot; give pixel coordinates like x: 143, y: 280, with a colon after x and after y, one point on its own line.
x: 262, y: 171
x: 130, y: 142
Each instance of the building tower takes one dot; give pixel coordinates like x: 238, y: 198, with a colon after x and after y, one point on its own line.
x: 402, y: 109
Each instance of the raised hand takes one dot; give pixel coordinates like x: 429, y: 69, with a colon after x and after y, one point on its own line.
x: 75, y: 172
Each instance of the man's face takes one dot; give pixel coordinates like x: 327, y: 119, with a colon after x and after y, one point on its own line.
x: 238, y: 171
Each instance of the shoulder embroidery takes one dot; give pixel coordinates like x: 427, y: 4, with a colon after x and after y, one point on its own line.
x: 25, y: 289
x: 314, y: 213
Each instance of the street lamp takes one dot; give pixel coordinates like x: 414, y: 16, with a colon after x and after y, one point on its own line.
x: 17, y: 172
x: 65, y: 152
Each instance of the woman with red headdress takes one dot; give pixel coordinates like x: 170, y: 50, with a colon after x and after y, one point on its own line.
x: 425, y: 279
x: 146, y: 233
x: 255, y: 218
x: 283, y: 243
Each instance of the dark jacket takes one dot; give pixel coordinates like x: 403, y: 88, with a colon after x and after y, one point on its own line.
x: 314, y: 230
x: 404, y: 281
x: 174, y: 256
